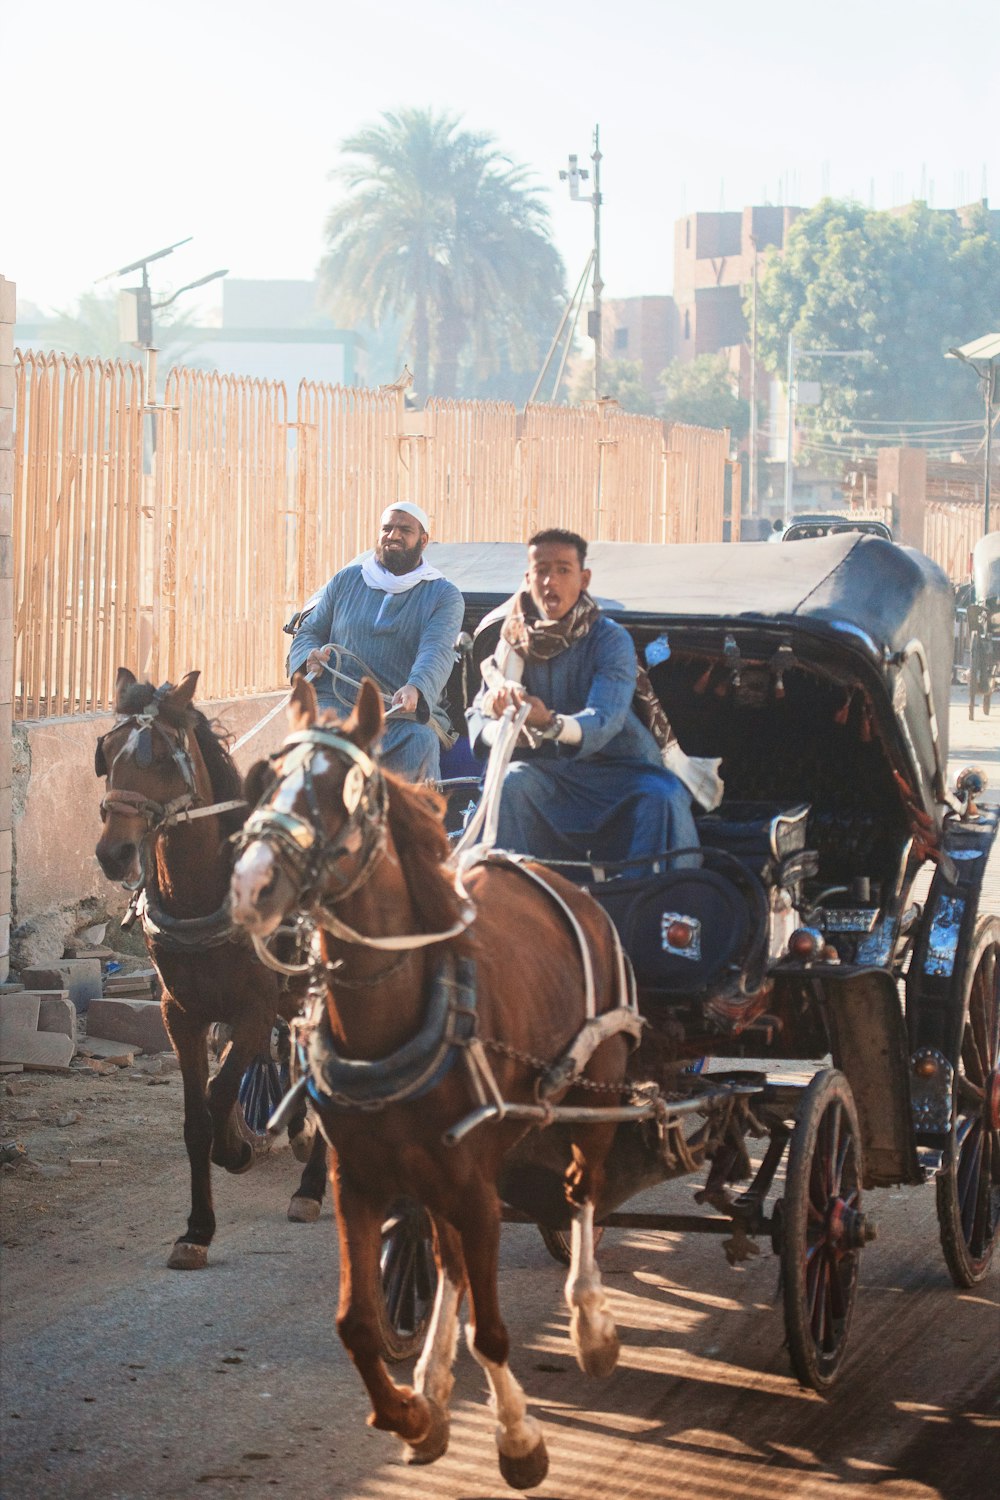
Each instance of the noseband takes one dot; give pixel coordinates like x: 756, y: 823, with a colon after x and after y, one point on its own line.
x: 312, y: 861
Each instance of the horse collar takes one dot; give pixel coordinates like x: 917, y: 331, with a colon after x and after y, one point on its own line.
x: 347, y: 1084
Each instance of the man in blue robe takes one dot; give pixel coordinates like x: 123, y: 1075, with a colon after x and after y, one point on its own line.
x: 400, y: 616
x: 590, y: 783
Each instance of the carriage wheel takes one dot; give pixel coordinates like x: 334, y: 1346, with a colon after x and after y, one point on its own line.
x: 968, y: 1185
x: 409, y: 1280
x: 557, y: 1242
x: 822, y: 1229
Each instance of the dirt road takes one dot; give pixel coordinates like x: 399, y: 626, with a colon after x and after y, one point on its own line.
x: 124, y: 1381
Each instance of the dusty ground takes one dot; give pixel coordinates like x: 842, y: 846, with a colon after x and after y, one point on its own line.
x: 81, y: 1134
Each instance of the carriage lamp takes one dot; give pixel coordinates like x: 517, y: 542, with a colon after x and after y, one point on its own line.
x: 970, y: 784
x: 806, y: 943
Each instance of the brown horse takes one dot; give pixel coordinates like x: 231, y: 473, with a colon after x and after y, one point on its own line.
x: 163, y: 761
x: 391, y: 1068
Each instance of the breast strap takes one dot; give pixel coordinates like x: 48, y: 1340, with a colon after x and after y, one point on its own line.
x: 414, y: 1069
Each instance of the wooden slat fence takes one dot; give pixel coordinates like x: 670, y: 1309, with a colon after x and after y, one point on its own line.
x: 224, y: 535
x: 78, y: 460
x: 951, y: 530
x: 244, y: 511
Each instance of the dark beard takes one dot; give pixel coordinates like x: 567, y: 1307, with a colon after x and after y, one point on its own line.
x: 399, y: 561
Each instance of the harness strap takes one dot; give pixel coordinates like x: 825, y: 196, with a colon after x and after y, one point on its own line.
x: 518, y: 862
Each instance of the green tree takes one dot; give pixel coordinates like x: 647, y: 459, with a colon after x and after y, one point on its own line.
x: 620, y: 378
x: 440, y: 229
x: 904, y: 288
x: 701, y: 393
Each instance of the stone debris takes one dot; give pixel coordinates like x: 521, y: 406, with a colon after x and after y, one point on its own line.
x: 82, y: 977
x: 93, y: 1161
x: 119, y: 1019
x: 107, y: 1051
x: 69, y: 1118
x: 57, y: 1013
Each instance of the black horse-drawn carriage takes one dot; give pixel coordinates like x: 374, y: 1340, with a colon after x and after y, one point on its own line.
x: 822, y: 979
x: 982, y: 622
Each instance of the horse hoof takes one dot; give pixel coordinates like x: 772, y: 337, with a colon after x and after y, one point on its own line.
x: 599, y: 1360
x: 186, y: 1256
x: 303, y: 1210
x: 526, y: 1472
x: 302, y: 1143
x: 434, y: 1444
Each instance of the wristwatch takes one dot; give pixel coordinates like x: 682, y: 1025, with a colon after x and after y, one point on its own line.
x: 553, y: 729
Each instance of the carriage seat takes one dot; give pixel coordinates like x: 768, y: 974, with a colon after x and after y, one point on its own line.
x: 766, y: 837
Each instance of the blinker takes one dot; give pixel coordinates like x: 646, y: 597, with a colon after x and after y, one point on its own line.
x: 354, y: 785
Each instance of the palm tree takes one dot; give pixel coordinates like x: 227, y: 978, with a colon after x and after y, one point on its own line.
x: 442, y: 230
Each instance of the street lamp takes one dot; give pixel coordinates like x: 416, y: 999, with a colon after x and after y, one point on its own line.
x: 574, y: 175
x: 983, y: 356
x: 794, y: 355
x: 137, y: 319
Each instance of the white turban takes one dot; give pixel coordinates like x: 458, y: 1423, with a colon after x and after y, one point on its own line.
x: 410, y: 509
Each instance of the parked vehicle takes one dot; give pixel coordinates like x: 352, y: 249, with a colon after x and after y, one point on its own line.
x: 804, y: 528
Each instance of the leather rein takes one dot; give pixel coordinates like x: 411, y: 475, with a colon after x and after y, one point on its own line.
x: 313, y: 862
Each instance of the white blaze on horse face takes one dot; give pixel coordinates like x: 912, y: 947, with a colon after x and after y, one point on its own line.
x: 253, y: 874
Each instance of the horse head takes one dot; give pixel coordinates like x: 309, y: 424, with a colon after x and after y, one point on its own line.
x: 152, y: 770
x: 319, y: 822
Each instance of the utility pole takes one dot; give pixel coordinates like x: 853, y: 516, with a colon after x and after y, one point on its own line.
x: 983, y: 356
x: 574, y: 175
x: 794, y: 355
x: 752, y: 486
x: 595, y: 331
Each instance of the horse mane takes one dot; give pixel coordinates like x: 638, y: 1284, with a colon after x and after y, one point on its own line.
x: 212, y: 741
x: 416, y: 821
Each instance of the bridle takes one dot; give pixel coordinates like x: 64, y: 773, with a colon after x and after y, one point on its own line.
x: 155, y: 816
x: 312, y: 862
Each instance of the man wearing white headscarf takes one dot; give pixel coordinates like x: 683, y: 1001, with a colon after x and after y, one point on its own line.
x: 400, y: 616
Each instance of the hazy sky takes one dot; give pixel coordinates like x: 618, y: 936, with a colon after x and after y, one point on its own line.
x: 131, y: 125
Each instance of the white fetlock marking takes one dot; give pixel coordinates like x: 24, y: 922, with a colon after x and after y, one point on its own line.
x: 591, y: 1323
x: 517, y: 1433
x: 432, y: 1375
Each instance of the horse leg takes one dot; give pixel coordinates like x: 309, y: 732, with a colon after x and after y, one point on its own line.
x: 592, y: 1326
x: 395, y: 1408
x: 521, y: 1450
x: 303, y: 1134
x: 432, y: 1376
x: 190, y: 1251
x: 308, y: 1200
x: 229, y: 1149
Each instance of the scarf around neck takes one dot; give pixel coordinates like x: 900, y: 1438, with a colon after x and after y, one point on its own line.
x: 378, y: 577
x: 535, y: 639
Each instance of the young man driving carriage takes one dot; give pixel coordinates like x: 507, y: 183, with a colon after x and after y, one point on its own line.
x: 398, y: 617
x: 588, y: 782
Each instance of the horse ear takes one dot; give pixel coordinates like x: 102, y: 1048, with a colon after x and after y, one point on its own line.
x: 302, y: 705
x: 181, y: 696
x: 100, y: 759
x: 124, y: 680
x: 365, y: 724
x: 258, y: 780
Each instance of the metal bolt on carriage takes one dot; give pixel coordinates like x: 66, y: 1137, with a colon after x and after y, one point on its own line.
x: 813, y: 1031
